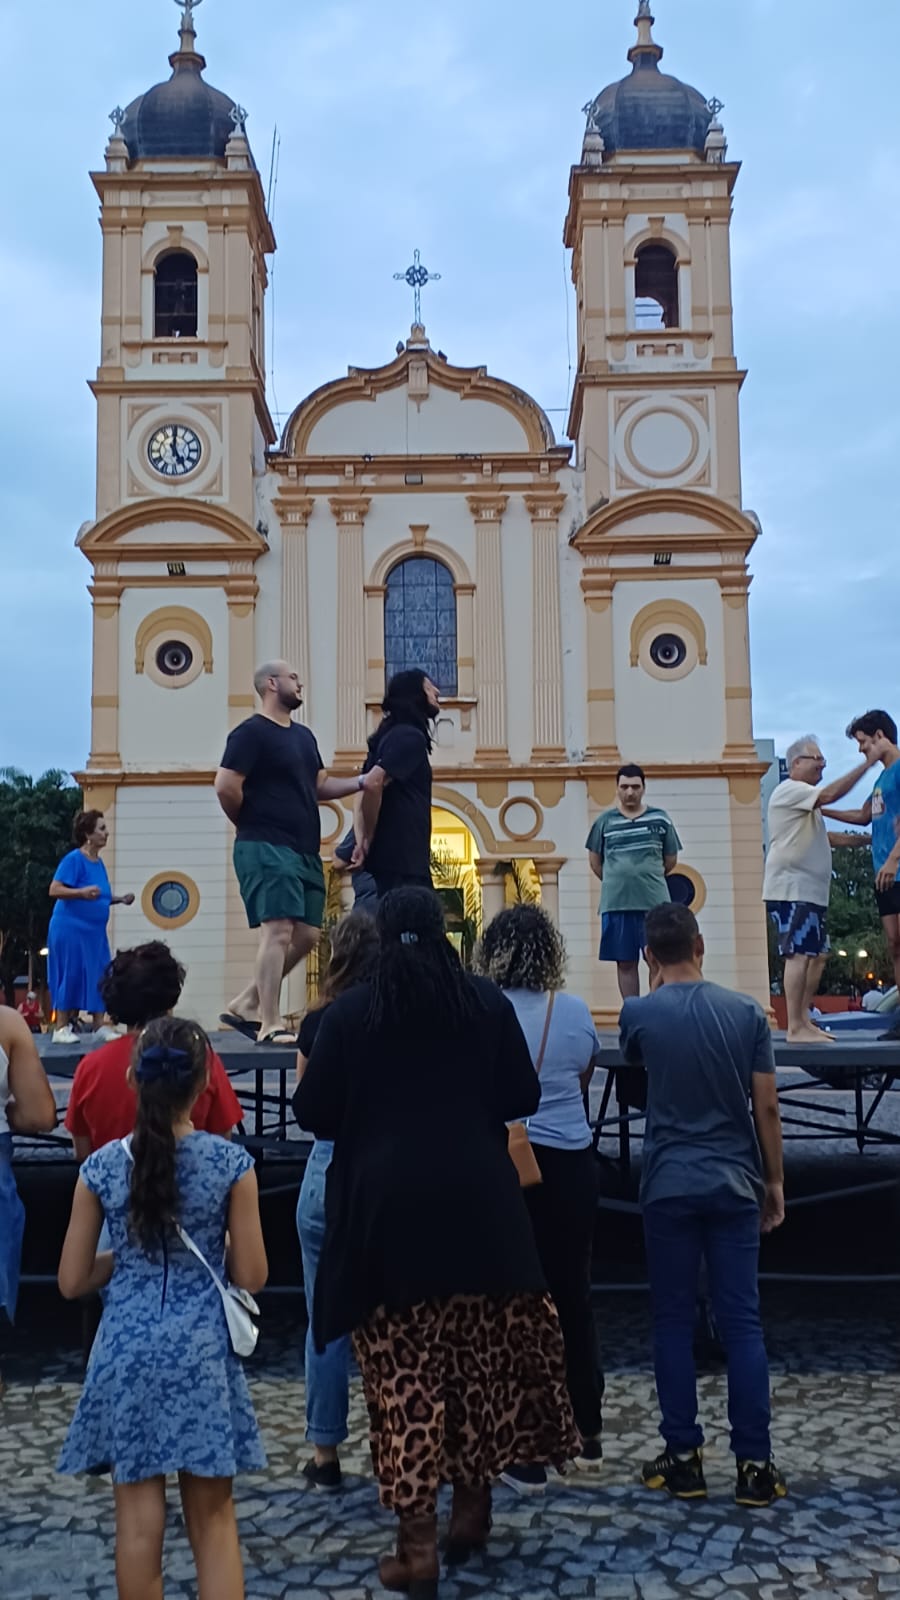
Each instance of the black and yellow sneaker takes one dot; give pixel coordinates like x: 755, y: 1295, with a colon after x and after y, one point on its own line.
x: 758, y: 1484
x: 681, y: 1476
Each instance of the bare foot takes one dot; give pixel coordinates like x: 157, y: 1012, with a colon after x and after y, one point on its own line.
x: 808, y: 1033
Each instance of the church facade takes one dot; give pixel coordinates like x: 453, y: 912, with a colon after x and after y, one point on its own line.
x: 579, y: 604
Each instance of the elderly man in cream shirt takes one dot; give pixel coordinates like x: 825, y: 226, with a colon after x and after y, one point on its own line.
x: 797, y: 881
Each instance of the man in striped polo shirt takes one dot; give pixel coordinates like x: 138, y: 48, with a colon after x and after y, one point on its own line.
x: 632, y: 848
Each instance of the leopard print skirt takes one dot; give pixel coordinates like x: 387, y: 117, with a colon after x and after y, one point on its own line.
x: 458, y: 1389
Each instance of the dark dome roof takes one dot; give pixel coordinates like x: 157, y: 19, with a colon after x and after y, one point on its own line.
x: 185, y: 116
x: 649, y: 110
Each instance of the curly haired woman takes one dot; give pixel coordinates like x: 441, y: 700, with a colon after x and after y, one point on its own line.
x: 525, y: 955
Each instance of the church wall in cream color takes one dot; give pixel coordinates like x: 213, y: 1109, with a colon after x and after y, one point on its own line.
x: 599, y: 587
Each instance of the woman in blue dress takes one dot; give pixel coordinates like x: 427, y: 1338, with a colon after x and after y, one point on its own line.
x: 78, y: 945
x: 164, y: 1392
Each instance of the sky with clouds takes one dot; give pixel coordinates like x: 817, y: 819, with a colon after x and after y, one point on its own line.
x: 452, y: 128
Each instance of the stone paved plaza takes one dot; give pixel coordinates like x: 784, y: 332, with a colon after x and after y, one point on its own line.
x: 837, y: 1403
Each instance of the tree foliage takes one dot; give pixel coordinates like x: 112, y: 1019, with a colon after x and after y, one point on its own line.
x: 36, y: 816
x: 854, y: 923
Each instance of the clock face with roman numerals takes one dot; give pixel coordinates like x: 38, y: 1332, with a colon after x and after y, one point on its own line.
x: 174, y: 450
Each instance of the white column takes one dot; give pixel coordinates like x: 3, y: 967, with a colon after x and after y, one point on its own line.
x: 295, y: 592
x: 350, y: 515
x: 548, y: 875
x: 548, y: 740
x: 490, y: 649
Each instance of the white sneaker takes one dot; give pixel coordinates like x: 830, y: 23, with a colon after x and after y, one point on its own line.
x: 110, y: 1031
x: 65, y: 1035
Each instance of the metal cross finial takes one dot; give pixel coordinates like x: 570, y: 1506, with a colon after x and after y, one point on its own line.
x: 117, y: 119
x: 715, y: 106
x: 239, y: 117
x: 417, y: 276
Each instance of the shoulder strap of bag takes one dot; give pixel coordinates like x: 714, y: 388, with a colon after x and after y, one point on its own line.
x: 184, y: 1236
x: 546, y: 1034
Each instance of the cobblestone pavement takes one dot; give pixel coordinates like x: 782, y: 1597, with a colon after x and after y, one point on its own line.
x: 836, y: 1405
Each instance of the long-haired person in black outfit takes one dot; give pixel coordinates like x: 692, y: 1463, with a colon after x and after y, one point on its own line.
x: 393, y: 820
x: 429, y: 1252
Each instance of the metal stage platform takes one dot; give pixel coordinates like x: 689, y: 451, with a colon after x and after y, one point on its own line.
x: 866, y: 1068
x: 841, y: 1119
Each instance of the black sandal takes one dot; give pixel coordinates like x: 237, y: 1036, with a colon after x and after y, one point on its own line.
x: 230, y: 1019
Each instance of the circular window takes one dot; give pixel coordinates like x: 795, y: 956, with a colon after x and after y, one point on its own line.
x: 668, y: 651
x: 686, y: 887
x: 170, y: 899
x: 174, y: 658
x: 681, y: 889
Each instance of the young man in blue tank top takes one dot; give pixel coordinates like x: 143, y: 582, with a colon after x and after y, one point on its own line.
x: 876, y: 734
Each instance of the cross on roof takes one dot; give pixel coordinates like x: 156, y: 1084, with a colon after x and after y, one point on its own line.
x: 417, y: 277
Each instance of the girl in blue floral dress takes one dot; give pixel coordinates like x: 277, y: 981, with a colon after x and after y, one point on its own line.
x: 164, y: 1391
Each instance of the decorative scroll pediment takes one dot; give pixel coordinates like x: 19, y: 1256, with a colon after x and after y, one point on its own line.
x: 181, y: 529
x: 417, y: 369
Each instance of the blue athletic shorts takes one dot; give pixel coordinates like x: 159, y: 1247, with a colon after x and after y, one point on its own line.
x: 621, y: 935
x: 801, y: 928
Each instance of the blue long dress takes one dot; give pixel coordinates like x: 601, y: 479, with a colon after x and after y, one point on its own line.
x: 164, y: 1391
x: 77, y: 942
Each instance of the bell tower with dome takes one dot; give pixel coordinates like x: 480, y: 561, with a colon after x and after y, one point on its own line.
x: 182, y: 432
x: 654, y: 414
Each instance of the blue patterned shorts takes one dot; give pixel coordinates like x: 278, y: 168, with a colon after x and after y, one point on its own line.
x: 802, y: 929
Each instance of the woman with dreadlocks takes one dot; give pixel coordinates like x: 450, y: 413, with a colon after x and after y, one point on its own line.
x: 164, y: 1391
x: 429, y: 1252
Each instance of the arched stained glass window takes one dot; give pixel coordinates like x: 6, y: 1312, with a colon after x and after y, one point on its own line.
x: 420, y: 621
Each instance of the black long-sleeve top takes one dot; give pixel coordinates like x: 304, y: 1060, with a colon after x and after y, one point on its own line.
x: 422, y: 1200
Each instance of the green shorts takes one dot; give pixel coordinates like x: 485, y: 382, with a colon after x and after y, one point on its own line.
x: 278, y: 883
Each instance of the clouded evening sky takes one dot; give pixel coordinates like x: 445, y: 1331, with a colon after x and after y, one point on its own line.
x: 451, y: 128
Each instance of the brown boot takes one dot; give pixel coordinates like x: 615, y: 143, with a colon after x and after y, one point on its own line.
x: 470, y: 1522
x: 414, y: 1569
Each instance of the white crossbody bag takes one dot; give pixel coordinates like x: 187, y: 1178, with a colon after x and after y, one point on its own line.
x: 238, y: 1304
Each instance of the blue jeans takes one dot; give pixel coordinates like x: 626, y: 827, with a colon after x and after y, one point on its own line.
x: 327, y: 1374
x: 679, y: 1234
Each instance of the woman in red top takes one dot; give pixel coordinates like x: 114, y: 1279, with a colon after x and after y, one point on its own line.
x: 138, y: 985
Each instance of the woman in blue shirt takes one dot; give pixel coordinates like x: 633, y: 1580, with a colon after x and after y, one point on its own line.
x: 77, y: 942
x: 524, y: 954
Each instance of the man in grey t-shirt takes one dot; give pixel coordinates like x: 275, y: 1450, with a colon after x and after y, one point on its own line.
x: 712, y: 1178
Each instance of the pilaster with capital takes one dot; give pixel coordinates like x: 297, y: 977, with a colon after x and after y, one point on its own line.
x: 294, y: 520
x: 547, y: 725
x: 490, y: 640
x: 241, y: 591
x: 493, y: 889
x: 597, y: 589
x: 105, y: 593
x: 738, y: 703
x: 350, y: 512
x: 547, y: 869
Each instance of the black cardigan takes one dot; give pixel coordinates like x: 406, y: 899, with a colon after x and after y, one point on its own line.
x: 422, y: 1200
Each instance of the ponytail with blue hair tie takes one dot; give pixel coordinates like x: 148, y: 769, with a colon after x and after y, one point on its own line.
x: 163, y: 1061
